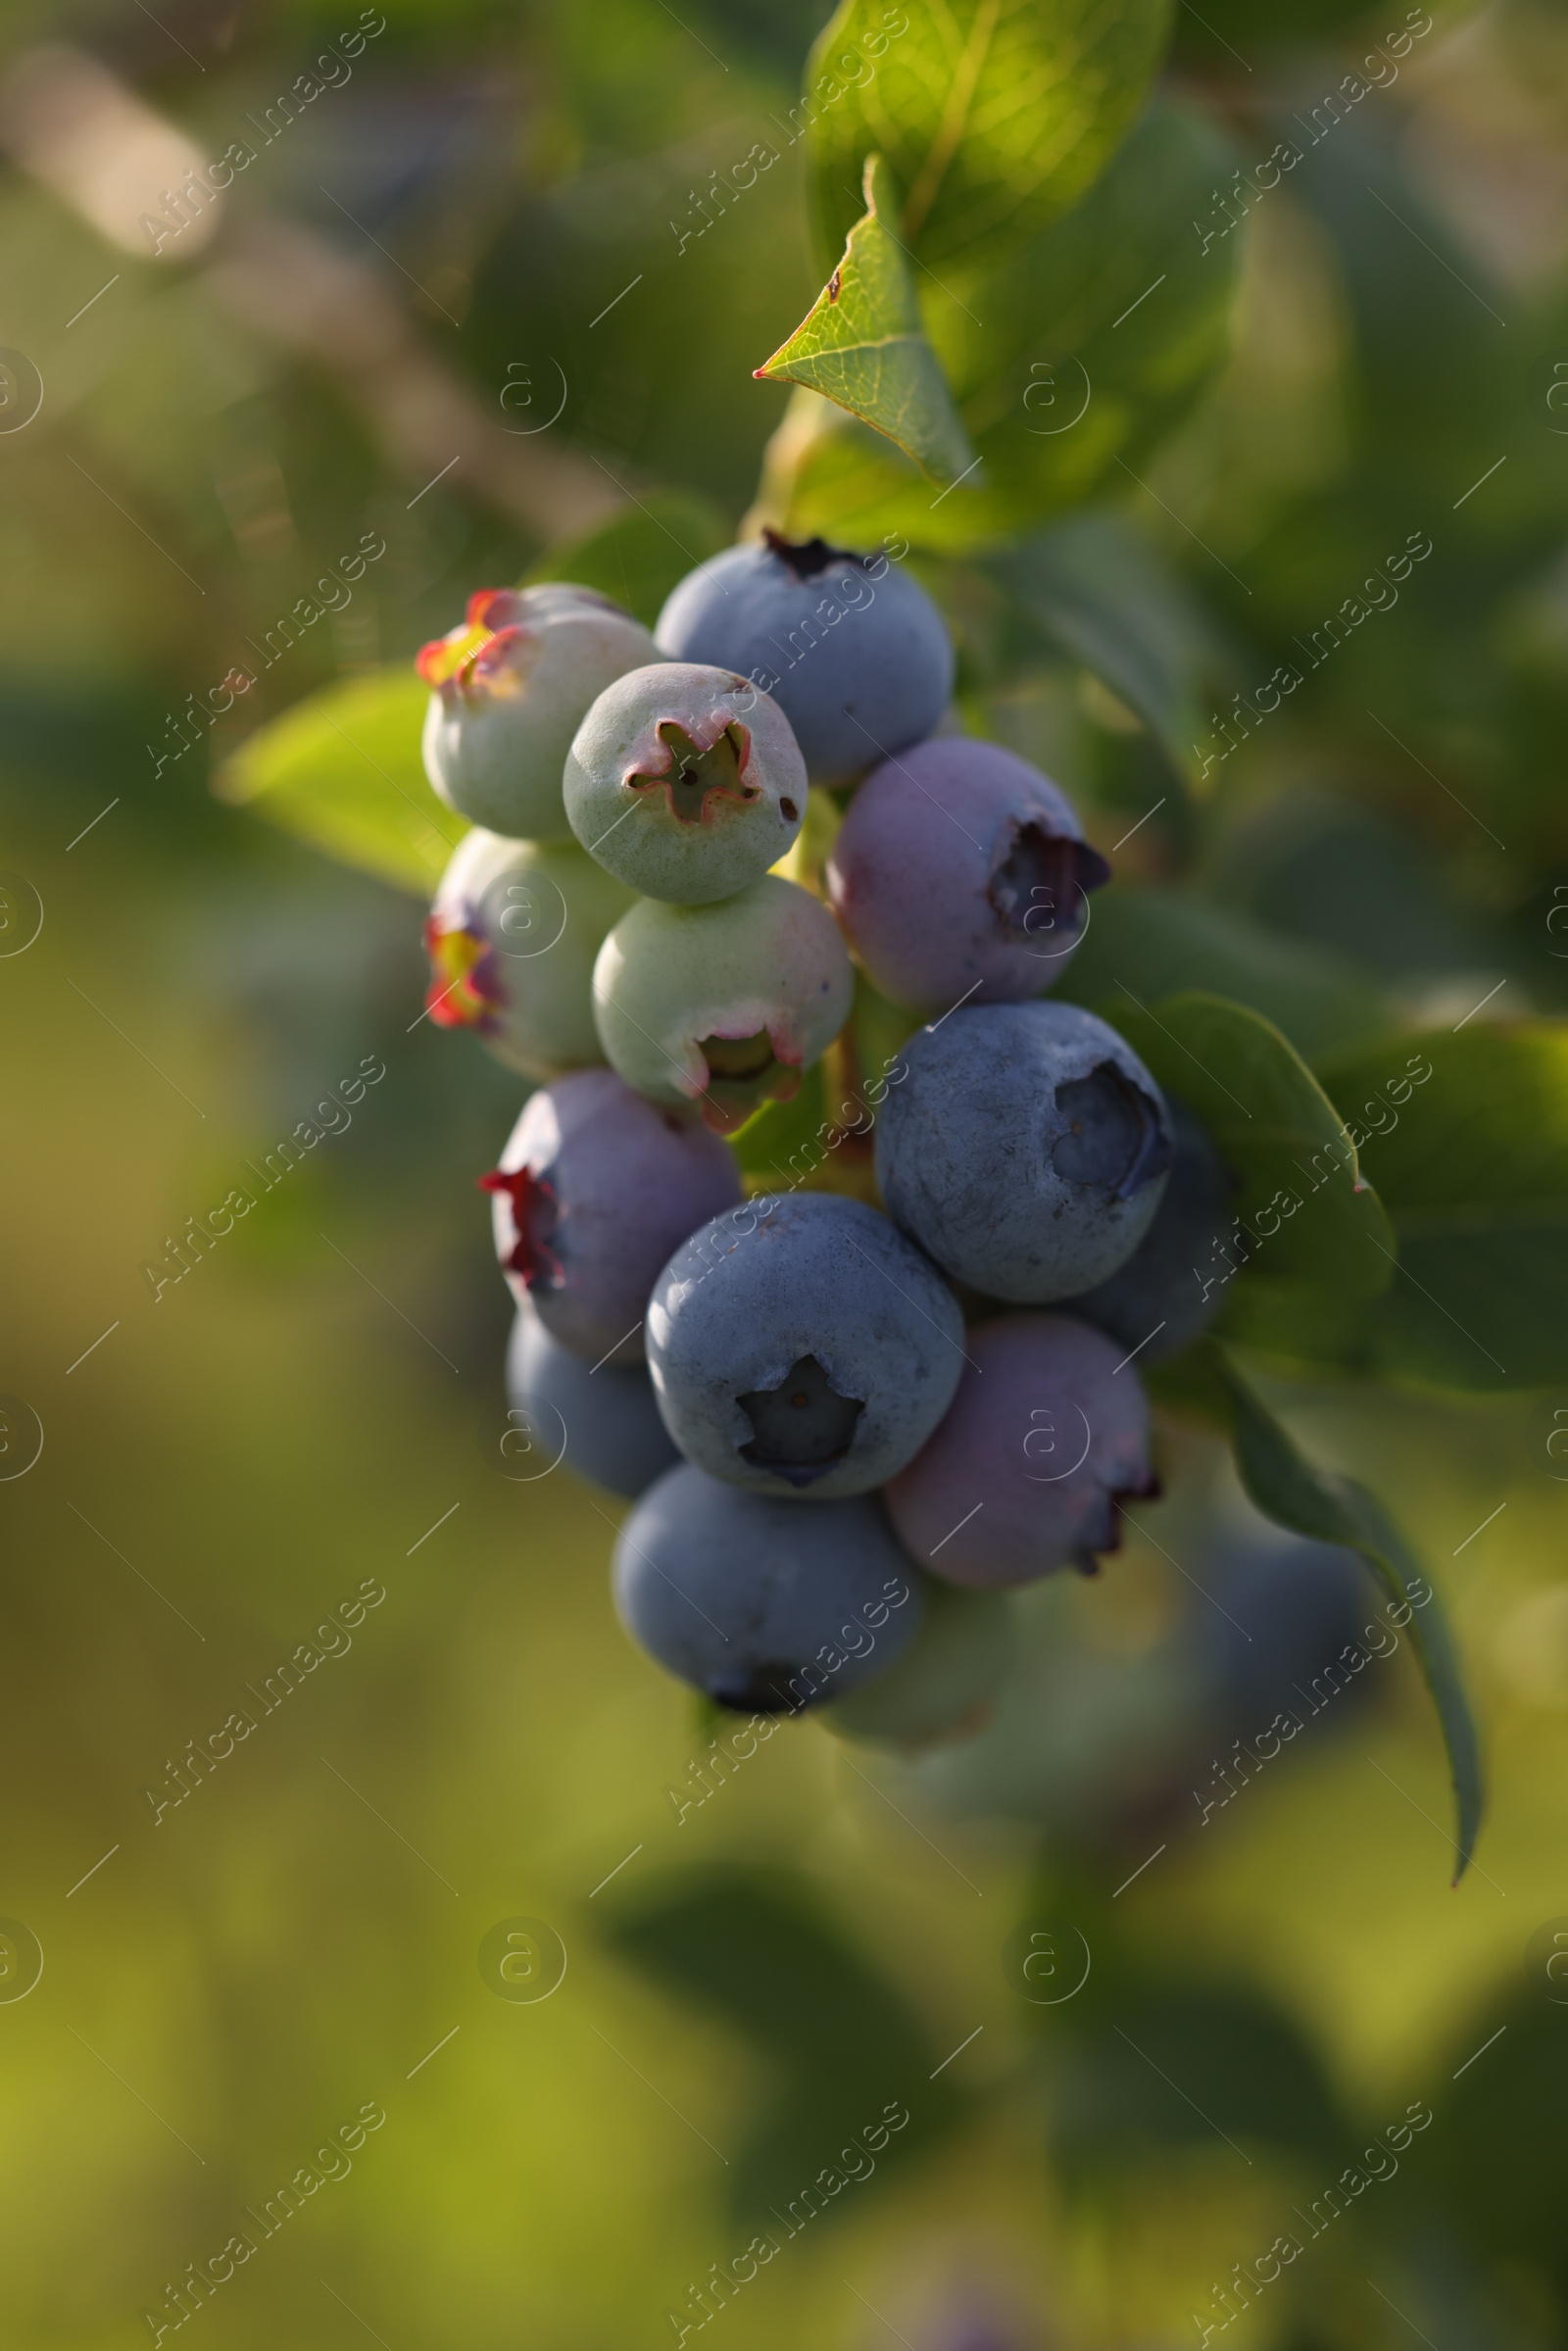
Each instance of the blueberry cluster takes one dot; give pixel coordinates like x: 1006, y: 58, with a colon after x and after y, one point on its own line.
x: 848, y: 1428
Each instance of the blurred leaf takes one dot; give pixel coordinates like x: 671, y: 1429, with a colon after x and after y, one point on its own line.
x: 1082, y: 349
x: 1473, y: 1169
x: 1279, y: 1135
x: 1093, y: 588
x: 746, y: 1947
x: 1150, y: 943
x: 1182, y: 2066
x: 994, y: 114
x: 342, y: 769
x: 1293, y: 1492
x: 864, y: 346
x: 642, y: 553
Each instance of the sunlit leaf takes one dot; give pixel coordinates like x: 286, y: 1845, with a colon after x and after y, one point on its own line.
x: 993, y: 115
x: 862, y: 345
x: 342, y: 769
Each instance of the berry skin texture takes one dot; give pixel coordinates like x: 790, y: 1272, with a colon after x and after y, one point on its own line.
x: 596, y: 1187
x: 722, y: 1004
x: 1044, y: 1438
x: 1163, y: 1280
x: 512, y: 940
x: 943, y: 1688
x: 959, y: 874
x: 685, y: 782
x: 799, y: 1346
x: 854, y: 650
x: 764, y: 1607
x: 512, y: 686
x: 614, y: 1434
x: 1025, y: 1151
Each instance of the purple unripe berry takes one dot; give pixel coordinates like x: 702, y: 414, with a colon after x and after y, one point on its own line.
x: 764, y: 1607
x: 854, y: 652
x: 1044, y: 1439
x: 800, y: 1345
x: 959, y: 874
x: 1025, y: 1151
x: 596, y: 1187
x: 685, y: 782
x: 605, y: 1417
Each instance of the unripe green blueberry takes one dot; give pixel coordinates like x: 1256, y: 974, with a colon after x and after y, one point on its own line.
x: 512, y: 685
x: 943, y: 1686
x: 512, y: 940
x: 726, y: 1003
x: 685, y: 781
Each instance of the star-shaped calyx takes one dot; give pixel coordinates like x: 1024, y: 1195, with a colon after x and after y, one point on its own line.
x: 1039, y: 887
x: 801, y: 1428
x: 1116, y: 1137
x: 696, y: 778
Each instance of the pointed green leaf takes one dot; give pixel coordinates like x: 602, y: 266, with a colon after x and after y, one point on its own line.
x: 862, y: 345
x: 1309, y: 1224
x: 1069, y: 358
x: 994, y: 114
x: 342, y: 769
x: 1292, y: 1491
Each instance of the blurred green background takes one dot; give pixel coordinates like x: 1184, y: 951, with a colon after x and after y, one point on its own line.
x: 315, y: 1405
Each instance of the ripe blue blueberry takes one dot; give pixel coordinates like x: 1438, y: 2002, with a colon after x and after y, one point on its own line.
x: 960, y: 875
x: 1171, y: 1286
x: 854, y: 652
x: 613, y: 1432
x: 800, y: 1345
x: 512, y: 686
x: 722, y: 1004
x: 595, y: 1188
x: 1047, y: 1435
x: 685, y: 782
x: 943, y: 1686
x: 764, y: 1607
x: 512, y: 940
x: 1025, y: 1151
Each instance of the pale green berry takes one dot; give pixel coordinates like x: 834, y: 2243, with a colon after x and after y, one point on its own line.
x: 724, y: 1004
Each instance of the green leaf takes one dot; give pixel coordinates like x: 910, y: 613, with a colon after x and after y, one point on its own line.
x: 862, y: 345
x: 1095, y: 589
x: 755, y: 1952
x: 1150, y: 943
x: 1292, y: 1491
x: 641, y: 552
x: 994, y: 114
x: 763, y: 1146
x: 1314, y: 1230
x: 1069, y: 362
x: 342, y: 770
x: 1472, y: 1165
